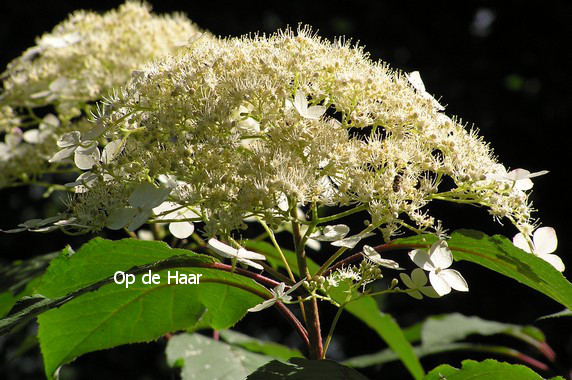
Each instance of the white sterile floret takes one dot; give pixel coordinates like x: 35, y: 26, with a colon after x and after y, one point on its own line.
x: 241, y: 255
x: 278, y: 295
x: 415, y: 80
x: 418, y: 284
x: 544, y: 242
x: 519, y: 177
x: 331, y: 233
x: 436, y: 262
x: 111, y: 151
x: 143, y: 200
x: 44, y: 130
x: 353, y: 240
x: 85, y: 153
x: 174, y: 211
x: 301, y: 105
x: 373, y: 256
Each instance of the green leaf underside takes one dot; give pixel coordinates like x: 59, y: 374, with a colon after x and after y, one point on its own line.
x: 453, y: 327
x: 488, y: 369
x: 116, y: 315
x: 438, y: 334
x: 274, y: 350
x: 365, y: 309
x: 500, y: 255
x: 387, y: 355
x: 304, y: 369
x: 203, y: 358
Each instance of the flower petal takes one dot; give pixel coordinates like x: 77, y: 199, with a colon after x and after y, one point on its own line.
x: 520, y: 241
x: 421, y: 258
x: 454, y: 279
x: 264, y: 305
x: 147, y: 196
x: 111, y: 151
x: 139, y: 220
x: 351, y: 242
x: 439, y: 284
x: 250, y: 263
x: 63, y: 154
x: 523, y: 184
x: 181, y: 230
x: 441, y: 255
x: 246, y: 254
x: 553, y: 260
x: 545, y: 240
x: 32, y: 136
x: 301, y: 103
x: 315, y: 112
x: 120, y: 217
x: 85, y: 158
x: 222, y: 249
x: 333, y: 233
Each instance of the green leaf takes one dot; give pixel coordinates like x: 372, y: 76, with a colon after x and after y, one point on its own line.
x: 500, y: 255
x: 275, y: 350
x: 488, y: 369
x: 304, y: 369
x: 115, y: 315
x: 387, y: 355
x: 203, y: 358
x: 367, y: 311
x: 7, y: 300
x: 563, y: 313
x: 19, y: 279
x: 364, y: 309
x: 437, y: 334
x: 453, y: 327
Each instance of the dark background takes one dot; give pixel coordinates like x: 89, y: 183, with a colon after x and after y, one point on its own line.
x: 502, y: 67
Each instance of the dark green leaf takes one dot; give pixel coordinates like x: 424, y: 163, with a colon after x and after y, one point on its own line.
x: 115, y: 315
x: 563, y: 313
x: 304, y: 369
x: 488, y: 369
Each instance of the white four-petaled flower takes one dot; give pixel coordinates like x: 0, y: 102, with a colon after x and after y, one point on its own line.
x: 520, y: 178
x: 436, y: 262
x: 241, y: 255
x: 544, y: 242
x: 278, y: 295
x: 85, y: 153
x: 173, y: 211
x: 331, y: 233
x: 301, y: 105
x: 351, y: 241
x: 373, y: 256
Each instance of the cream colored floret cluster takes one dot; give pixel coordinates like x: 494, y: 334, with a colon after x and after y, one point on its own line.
x: 235, y: 127
x: 77, y: 63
